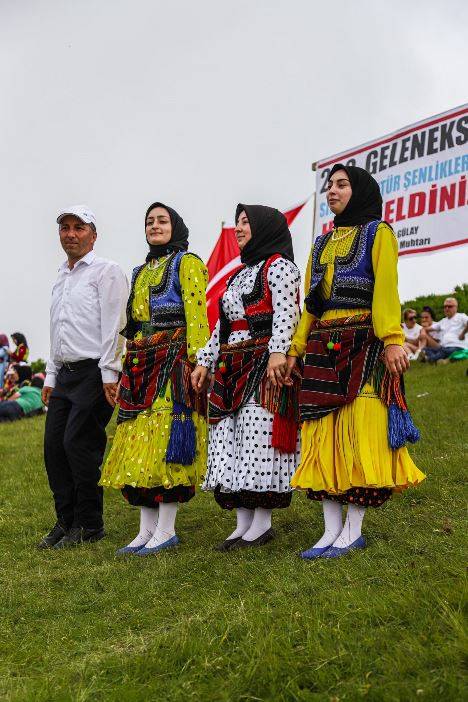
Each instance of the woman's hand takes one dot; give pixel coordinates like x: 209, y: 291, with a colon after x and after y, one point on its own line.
x: 200, y: 378
x: 276, y: 368
x: 396, y: 360
x: 290, y: 365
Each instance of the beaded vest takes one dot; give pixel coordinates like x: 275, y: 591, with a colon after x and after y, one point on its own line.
x: 353, y: 277
x: 166, y: 307
x: 258, y: 306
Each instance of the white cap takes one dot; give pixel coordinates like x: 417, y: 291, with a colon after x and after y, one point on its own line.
x: 81, y: 211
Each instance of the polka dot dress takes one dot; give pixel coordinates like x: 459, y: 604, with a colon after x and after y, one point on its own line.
x: 240, y: 456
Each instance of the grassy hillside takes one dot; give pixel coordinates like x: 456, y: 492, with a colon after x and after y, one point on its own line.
x: 193, y: 624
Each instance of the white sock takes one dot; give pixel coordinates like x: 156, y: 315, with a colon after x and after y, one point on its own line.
x: 352, y: 526
x: 166, y: 524
x: 148, y: 523
x: 244, y: 520
x: 333, y: 518
x: 261, y: 522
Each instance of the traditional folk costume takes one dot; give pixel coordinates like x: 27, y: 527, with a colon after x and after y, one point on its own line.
x: 253, y: 444
x: 158, y: 455
x: 355, y: 418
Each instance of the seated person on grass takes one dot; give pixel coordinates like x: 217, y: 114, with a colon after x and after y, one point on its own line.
x: 452, y: 328
x: 411, y: 330
x: 27, y: 400
x: 16, y: 376
x: 428, y: 339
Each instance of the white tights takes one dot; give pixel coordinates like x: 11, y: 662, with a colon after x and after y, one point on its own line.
x: 244, y: 520
x: 165, y: 528
x: 335, y: 533
x: 148, y: 524
x: 156, y: 525
x: 352, y: 526
x: 332, y: 515
x: 251, y: 523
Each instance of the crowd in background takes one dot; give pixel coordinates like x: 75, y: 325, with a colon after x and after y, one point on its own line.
x: 436, y: 342
x: 20, y: 388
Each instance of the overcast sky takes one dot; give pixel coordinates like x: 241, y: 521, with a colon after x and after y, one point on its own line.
x: 201, y: 104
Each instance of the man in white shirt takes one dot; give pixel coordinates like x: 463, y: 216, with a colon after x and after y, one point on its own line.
x: 452, y: 329
x: 86, y: 314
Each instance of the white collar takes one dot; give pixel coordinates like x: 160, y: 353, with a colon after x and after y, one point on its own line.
x: 88, y: 259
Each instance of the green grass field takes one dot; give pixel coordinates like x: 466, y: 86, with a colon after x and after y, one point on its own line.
x: 193, y: 624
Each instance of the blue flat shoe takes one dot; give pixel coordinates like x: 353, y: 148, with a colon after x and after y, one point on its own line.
x: 335, y: 552
x: 170, y: 543
x: 313, y: 553
x: 128, y: 549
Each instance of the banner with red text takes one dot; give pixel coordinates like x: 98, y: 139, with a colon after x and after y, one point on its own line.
x: 422, y: 173
x: 225, y: 260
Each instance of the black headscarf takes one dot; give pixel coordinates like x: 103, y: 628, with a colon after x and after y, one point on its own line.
x: 270, y: 234
x: 365, y: 204
x: 179, y: 236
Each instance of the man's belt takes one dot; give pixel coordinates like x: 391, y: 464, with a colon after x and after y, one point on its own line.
x: 78, y: 365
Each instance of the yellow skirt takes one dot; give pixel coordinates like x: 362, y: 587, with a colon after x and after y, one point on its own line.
x: 349, y: 448
x: 139, y: 447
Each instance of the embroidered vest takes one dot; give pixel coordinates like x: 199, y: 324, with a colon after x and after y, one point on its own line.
x: 166, y: 307
x: 258, y: 306
x: 353, y: 277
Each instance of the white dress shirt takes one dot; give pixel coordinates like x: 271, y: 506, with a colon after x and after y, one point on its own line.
x: 87, y: 312
x: 450, y: 329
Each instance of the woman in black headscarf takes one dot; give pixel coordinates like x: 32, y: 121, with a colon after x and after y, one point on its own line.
x: 253, y: 442
x: 355, y: 418
x: 158, y: 455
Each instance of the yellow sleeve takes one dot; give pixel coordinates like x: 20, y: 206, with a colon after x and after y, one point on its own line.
x: 386, y: 310
x: 193, y: 281
x: 308, y: 274
x: 299, y: 340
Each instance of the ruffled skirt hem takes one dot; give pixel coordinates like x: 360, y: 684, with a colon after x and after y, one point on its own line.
x: 249, y: 499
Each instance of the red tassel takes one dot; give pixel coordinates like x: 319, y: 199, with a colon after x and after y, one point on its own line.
x: 284, y: 437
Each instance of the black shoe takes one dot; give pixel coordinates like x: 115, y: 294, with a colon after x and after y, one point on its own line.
x: 227, y: 545
x: 55, y: 535
x: 264, y: 538
x: 80, y: 535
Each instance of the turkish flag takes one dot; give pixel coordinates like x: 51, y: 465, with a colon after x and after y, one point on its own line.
x: 224, y: 261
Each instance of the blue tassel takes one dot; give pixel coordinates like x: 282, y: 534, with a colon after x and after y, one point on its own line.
x: 189, y: 438
x: 412, y: 432
x: 181, y: 448
x: 400, y: 427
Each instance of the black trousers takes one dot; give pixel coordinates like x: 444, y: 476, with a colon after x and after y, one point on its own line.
x: 74, y: 444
